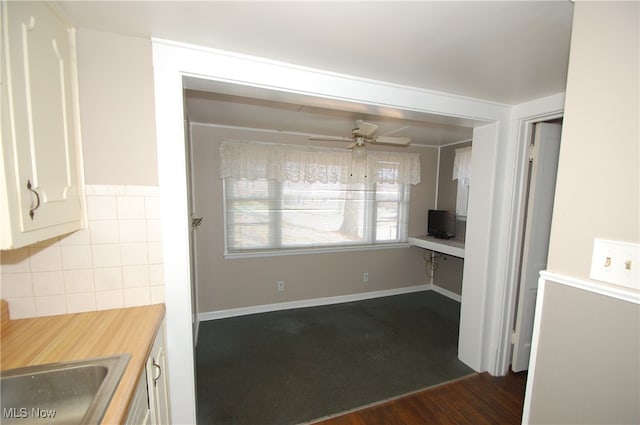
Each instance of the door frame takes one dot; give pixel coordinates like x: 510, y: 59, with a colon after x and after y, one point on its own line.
x: 524, y: 117
x: 193, y: 238
x: 488, y: 317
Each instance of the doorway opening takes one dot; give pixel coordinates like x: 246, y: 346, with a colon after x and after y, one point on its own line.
x: 212, y: 115
x: 538, y: 195
x: 205, y: 205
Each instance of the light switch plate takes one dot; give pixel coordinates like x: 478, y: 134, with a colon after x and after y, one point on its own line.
x: 616, y: 262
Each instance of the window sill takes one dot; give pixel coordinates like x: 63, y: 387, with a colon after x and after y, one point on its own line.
x: 324, y: 250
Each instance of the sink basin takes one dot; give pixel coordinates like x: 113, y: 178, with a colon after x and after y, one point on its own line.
x: 76, y: 392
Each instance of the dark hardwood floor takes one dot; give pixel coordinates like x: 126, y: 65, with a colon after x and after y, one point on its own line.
x: 477, y: 399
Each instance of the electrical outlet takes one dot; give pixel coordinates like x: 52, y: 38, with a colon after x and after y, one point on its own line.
x: 616, y: 262
x: 365, y: 277
x: 280, y: 285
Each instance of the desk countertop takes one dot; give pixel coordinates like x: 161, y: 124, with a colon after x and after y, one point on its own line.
x: 453, y: 247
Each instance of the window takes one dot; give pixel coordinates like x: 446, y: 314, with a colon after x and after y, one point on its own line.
x: 324, y: 202
x: 267, y: 214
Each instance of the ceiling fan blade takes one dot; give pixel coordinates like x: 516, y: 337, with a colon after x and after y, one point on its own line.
x: 351, y: 146
x: 389, y: 140
x: 396, y: 130
x: 332, y: 139
x: 364, y: 128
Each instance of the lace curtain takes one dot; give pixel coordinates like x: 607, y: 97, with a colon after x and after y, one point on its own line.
x: 462, y: 173
x: 295, y: 163
x: 462, y: 165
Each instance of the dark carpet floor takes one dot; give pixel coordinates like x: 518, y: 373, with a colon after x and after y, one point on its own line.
x: 293, y: 366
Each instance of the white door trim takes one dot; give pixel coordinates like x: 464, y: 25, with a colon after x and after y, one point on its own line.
x: 523, y: 117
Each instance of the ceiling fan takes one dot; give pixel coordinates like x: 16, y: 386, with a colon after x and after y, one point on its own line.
x: 363, y: 133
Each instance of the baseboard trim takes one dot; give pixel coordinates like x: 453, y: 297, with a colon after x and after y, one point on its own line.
x: 447, y: 293
x: 243, y: 311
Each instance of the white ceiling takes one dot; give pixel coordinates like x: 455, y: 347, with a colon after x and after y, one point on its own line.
x: 505, y: 51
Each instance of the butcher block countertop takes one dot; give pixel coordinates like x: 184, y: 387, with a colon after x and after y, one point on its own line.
x: 28, y: 342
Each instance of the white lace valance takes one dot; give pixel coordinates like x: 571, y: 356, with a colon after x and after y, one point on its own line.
x: 462, y: 165
x: 462, y: 172
x: 295, y: 163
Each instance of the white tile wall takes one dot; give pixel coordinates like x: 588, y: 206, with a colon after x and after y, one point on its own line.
x: 116, y: 262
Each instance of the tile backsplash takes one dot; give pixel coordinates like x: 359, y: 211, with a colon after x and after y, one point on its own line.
x: 116, y: 262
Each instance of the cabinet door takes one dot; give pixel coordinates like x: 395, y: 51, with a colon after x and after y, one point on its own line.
x: 139, y: 409
x: 40, y: 144
x: 158, y: 383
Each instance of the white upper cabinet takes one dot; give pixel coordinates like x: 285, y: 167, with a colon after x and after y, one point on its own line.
x: 41, y: 179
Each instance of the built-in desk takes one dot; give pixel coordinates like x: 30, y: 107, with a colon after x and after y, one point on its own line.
x: 446, y: 246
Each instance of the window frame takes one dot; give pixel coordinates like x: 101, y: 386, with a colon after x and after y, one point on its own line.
x: 369, y: 232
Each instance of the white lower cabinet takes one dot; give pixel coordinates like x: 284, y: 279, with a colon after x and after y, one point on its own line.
x: 157, y: 382
x: 139, y: 413
x: 150, y: 403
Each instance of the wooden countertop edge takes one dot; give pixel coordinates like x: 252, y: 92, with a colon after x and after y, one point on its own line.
x: 119, y: 407
x: 27, y: 342
x: 4, y: 311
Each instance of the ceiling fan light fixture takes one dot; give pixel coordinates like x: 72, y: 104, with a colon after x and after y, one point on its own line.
x: 359, y: 152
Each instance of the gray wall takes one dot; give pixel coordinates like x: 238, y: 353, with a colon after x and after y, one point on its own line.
x: 449, y: 272
x: 235, y: 283
x: 588, y: 359
x: 115, y: 76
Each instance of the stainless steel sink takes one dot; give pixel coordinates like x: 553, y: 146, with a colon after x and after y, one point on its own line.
x: 76, y: 392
